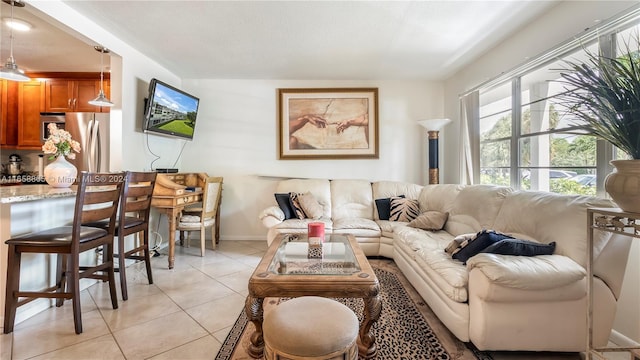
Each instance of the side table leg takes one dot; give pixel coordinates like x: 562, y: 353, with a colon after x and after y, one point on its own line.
x: 367, y: 348
x: 172, y: 238
x: 254, y: 311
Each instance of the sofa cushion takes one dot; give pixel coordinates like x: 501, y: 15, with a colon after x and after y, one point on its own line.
x: 439, y: 197
x: 475, y: 208
x: 389, y: 228
x: 351, y: 199
x: 520, y: 248
x: 403, y: 209
x: 430, y: 220
x: 310, y: 205
x: 425, y: 247
x: 284, y: 202
x: 552, y: 217
x: 355, y: 223
x: 474, y: 246
x: 528, y: 272
x: 302, y: 224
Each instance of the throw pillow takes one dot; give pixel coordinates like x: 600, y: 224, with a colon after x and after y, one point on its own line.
x: 310, y: 205
x: 430, y: 220
x: 284, y: 202
x: 384, y: 207
x: 520, y: 247
x: 404, y: 209
x: 456, y: 243
x: 475, y: 246
x: 295, y: 205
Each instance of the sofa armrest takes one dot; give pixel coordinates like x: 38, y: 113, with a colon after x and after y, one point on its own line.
x: 271, y: 216
x: 529, y: 273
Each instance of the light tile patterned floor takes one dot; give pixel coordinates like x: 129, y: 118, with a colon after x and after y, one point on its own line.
x: 186, y: 314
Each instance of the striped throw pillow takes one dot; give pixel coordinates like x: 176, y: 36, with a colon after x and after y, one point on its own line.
x: 295, y: 205
x: 404, y: 209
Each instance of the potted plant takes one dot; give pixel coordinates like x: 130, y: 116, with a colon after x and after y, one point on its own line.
x: 604, y: 93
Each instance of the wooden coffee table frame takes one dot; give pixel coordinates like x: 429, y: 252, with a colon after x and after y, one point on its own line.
x: 363, y: 284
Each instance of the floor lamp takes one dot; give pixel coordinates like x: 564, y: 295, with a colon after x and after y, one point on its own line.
x: 433, y: 127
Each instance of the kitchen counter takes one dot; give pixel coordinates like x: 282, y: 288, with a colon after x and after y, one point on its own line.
x: 28, y: 208
x: 22, y: 193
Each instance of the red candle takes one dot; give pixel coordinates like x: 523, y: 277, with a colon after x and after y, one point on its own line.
x: 316, y: 230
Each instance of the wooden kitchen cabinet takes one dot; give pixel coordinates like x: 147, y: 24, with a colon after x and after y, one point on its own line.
x: 9, y: 113
x: 22, y: 102
x: 65, y: 95
x: 31, y: 102
x: 30, y: 105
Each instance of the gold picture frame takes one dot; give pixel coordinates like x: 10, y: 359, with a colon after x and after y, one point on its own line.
x: 338, y: 123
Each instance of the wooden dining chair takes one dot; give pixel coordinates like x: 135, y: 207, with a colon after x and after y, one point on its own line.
x: 133, y: 218
x: 198, y: 218
x: 97, y: 198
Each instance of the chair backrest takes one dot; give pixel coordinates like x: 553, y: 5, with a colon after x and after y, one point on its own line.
x: 136, y: 196
x: 211, y: 196
x: 97, y: 199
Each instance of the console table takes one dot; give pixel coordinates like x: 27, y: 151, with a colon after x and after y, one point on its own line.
x: 614, y: 221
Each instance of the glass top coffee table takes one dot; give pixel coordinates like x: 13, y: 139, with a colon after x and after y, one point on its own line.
x: 342, y: 271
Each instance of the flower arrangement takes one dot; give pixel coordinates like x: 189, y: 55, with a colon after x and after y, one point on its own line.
x: 59, y: 143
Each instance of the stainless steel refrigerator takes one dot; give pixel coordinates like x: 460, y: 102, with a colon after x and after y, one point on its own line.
x: 91, y: 130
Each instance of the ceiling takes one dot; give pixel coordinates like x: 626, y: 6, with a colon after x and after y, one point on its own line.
x: 428, y: 40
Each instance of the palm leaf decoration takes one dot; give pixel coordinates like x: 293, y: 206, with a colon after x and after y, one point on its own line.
x: 605, y: 94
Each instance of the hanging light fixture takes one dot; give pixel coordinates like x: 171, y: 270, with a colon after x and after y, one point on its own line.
x: 10, y: 70
x: 101, y: 100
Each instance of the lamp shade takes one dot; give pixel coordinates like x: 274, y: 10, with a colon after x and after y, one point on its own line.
x: 101, y: 100
x: 11, y: 72
x: 434, y: 124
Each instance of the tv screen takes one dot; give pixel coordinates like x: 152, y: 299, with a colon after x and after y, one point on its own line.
x: 170, y: 111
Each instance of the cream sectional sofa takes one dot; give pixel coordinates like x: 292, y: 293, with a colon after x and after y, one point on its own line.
x: 498, y: 302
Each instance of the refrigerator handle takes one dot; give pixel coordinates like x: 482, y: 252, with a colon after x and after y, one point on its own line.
x: 97, y: 146
x: 93, y: 128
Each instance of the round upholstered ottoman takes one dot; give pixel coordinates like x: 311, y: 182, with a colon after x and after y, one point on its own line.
x: 310, y: 327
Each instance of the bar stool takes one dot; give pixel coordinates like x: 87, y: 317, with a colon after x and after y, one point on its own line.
x: 97, y: 198
x: 133, y: 217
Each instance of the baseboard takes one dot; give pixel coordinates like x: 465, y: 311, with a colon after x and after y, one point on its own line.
x: 622, y: 340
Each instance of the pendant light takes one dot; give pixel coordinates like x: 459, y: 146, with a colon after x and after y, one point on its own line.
x: 10, y: 70
x: 101, y: 100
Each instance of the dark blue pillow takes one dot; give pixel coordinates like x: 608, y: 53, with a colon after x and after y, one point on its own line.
x: 475, y: 246
x: 384, y: 207
x: 284, y: 203
x: 520, y: 247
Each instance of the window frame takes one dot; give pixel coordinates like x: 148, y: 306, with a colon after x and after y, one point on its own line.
x: 605, y: 152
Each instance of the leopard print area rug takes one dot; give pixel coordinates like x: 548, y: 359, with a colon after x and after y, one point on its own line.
x: 407, y: 328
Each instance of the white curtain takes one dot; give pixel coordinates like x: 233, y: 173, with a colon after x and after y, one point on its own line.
x: 470, y: 138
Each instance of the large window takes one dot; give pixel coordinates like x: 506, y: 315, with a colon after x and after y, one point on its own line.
x: 527, y: 138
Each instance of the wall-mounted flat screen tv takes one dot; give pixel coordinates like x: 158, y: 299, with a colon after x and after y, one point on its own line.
x: 170, y: 111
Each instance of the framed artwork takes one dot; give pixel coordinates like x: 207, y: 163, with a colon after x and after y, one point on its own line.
x: 328, y: 123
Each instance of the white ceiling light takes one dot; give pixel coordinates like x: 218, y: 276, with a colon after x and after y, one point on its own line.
x: 10, y: 71
x: 101, y: 100
x: 17, y: 24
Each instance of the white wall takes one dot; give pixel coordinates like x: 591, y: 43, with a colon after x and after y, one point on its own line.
x: 236, y: 138
x: 561, y: 23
